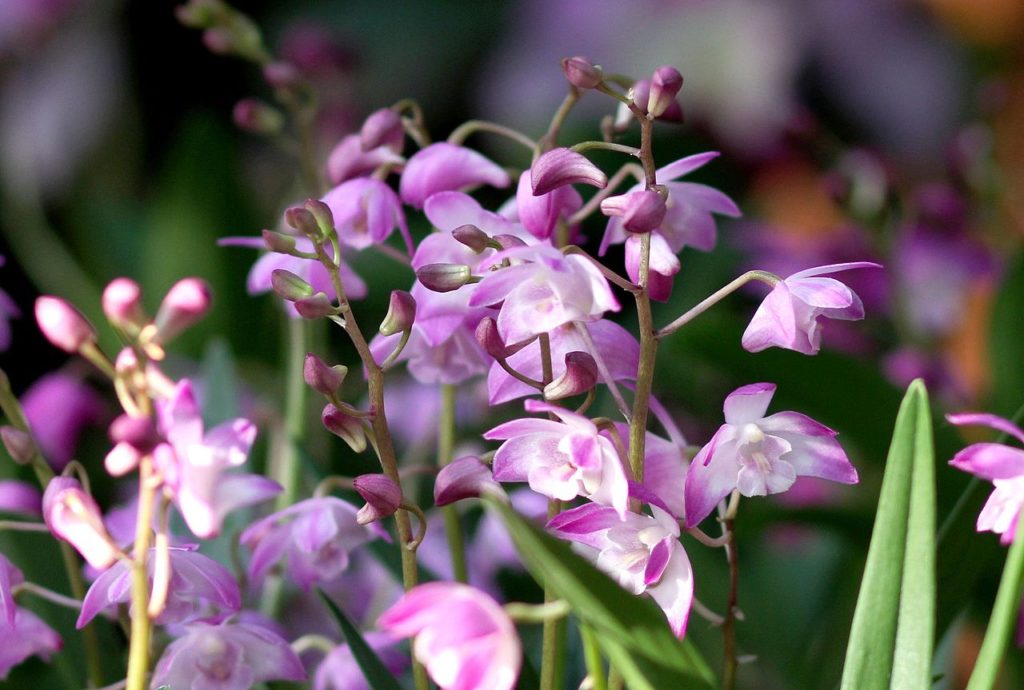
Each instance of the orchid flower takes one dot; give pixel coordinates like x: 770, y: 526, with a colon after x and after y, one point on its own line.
x: 444, y: 167
x: 22, y: 633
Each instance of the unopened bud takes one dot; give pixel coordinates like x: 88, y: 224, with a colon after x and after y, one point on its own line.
x: 582, y: 73
x: 509, y: 241
x: 580, y: 376
x: 121, y: 459
x: 258, y: 117
x: 444, y: 277
x: 490, y: 340
x: 323, y: 215
x: 382, y: 497
x: 62, y: 324
x: 289, y: 286
x: 323, y: 379
x: 346, y: 427
x: 401, y: 313
x: 318, y: 306
x: 562, y: 166
x: 302, y: 220
x: 472, y: 236
x: 466, y: 477
x: 200, y: 14
x: 139, y: 432
x: 382, y: 128
x: 665, y: 84
x: 72, y: 515
x: 278, y: 242
x: 282, y: 75
x: 183, y: 306
x: 122, y: 304
x: 640, y: 93
x: 641, y: 211
x: 19, y: 444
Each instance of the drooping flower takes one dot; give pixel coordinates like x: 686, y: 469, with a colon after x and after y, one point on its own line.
x: 789, y: 317
x: 560, y: 459
x: 641, y: 552
x: 348, y: 159
x: 194, y: 463
x: 466, y: 477
x: 339, y: 670
x: 316, y: 536
x: 73, y: 516
x: 540, y: 213
x: 226, y: 657
x: 366, y: 211
x: 761, y: 455
x: 1000, y: 464
x: 463, y: 637
x: 444, y: 167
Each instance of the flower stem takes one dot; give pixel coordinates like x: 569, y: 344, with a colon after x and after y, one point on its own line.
x: 445, y: 447
x: 550, y: 137
x: 462, y: 132
x: 729, y: 624
x: 607, y: 146
x: 138, y: 654
x: 552, y: 647
x: 537, y: 613
x: 49, y: 595
x: 716, y: 297
x: 289, y: 468
x: 592, y: 656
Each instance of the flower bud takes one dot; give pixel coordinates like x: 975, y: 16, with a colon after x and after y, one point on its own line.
x: 346, y: 427
x: 281, y: 75
x: 318, y: 306
x: 200, y: 14
x: 466, y: 477
x: 257, y: 117
x: 122, y: 304
x: 19, y: 444
x: 640, y: 93
x: 509, y: 241
x: 580, y: 376
x: 444, y: 277
x: 323, y: 379
x: 382, y: 497
x: 472, y: 236
x: 323, y: 215
x: 72, y: 515
x: 278, y: 242
x: 490, y: 340
x: 138, y: 432
x: 665, y: 84
x: 62, y: 324
x: 581, y: 73
x: 121, y: 459
x: 562, y: 166
x: 289, y: 286
x: 302, y: 220
x: 401, y: 313
x: 183, y: 306
x: 641, y: 211
x: 21, y: 498
x: 382, y: 128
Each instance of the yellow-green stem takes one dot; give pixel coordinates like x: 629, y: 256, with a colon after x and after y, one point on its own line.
x: 445, y: 447
x: 138, y: 654
x: 592, y: 656
x: 552, y: 639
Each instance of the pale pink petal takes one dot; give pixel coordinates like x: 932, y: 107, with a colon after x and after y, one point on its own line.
x: 990, y: 420
x: 748, y: 403
x: 674, y: 592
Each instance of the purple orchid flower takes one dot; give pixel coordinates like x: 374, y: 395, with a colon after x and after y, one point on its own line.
x: 200, y: 590
x: 22, y: 633
x: 641, y: 552
x: 10, y: 577
x: 8, y: 310
x: 1000, y: 464
x: 444, y: 167
x: 759, y: 455
x: 339, y: 670
x: 20, y: 498
x: 315, y: 535
x: 561, y: 459
x: 348, y: 159
x: 194, y: 463
x: 59, y: 407
x: 789, y: 317
x: 539, y: 214
x: 73, y: 516
x: 226, y: 657
x: 463, y: 637
x: 366, y: 211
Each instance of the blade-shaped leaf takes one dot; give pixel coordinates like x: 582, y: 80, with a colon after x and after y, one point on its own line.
x: 893, y: 628
x: 369, y: 663
x: 632, y: 630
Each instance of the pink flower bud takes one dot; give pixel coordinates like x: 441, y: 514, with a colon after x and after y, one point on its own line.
x: 257, y: 117
x: 444, y: 277
x: 72, y: 515
x: 122, y: 304
x: 472, y: 236
x: 382, y: 128
x: 582, y: 73
x: 509, y: 241
x: 318, y: 306
x: 183, y: 306
x: 580, y: 376
x: 282, y: 75
x: 323, y: 215
x: 562, y: 166
x: 289, y: 286
x: 490, y: 340
x: 346, y: 427
x: 138, y: 432
x: 323, y: 379
x: 19, y: 444
x: 302, y: 220
x: 641, y: 211
x: 21, y: 498
x: 121, y: 459
x: 665, y: 84
x: 641, y: 92
x: 382, y: 497
x: 62, y: 324
x: 401, y: 313
x: 466, y: 477
x: 279, y: 243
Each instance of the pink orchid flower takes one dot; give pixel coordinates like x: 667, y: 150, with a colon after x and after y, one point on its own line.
x: 22, y: 633
x: 444, y: 167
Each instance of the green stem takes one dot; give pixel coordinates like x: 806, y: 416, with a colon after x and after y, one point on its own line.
x: 289, y: 467
x: 537, y: 613
x: 552, y: 639
x: 138, y: 654
x: 607, y: 146
x: 550, y: 137
x: 716, y: 297
x: 445, y: 447
x: 592, y: 656
x: 463, y: 131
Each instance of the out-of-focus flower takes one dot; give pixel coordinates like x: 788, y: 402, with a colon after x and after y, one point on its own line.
x: 227, y: 657
x: 349, y: 159
x: 561, y: 460
x: 58, y: 408
x: 445, y: 167
x: 188, y: 301
x: 339, y: 670
x: 62, y: 324
x: 21, y: 498
x: 22, y: 634
x: 641, y: 552
x: 72, y: 515
x: 8, y: 310
x: 1000, y: 464
x: 315, y: 535
x: 200, y: 589
x: 10, y: 576
x: 789, y: 317
x: 194, y: 463
x: 466, y: 477
x: 463, y: 637
x: 759, y: 455
x: 366, y: 211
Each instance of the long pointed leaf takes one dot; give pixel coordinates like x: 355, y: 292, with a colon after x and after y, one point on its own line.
x: 893, y: 628
x: 373, y: 668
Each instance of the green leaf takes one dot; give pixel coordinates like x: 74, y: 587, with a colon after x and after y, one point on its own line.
x: 1004, y: 615
x: 893, y: 628
x: 1005, y: 336
x: 632, y: 630
x: 369, y: 663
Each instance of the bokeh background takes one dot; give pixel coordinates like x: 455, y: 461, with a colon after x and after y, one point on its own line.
x: 887, y: 130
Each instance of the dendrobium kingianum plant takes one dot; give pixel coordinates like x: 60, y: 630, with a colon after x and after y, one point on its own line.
x: 509, y: 324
